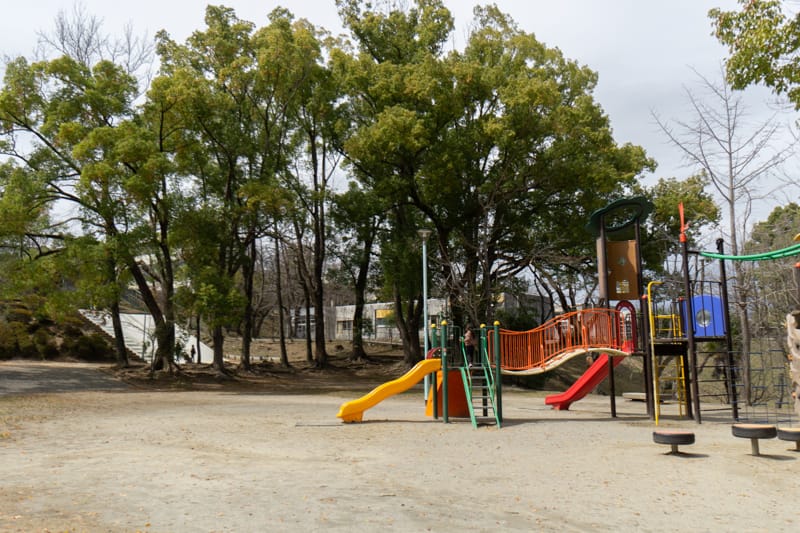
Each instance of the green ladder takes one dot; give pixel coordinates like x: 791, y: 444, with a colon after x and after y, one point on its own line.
x: 480, y: 390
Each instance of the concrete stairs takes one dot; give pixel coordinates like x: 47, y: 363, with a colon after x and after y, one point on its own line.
x: 138, y: 330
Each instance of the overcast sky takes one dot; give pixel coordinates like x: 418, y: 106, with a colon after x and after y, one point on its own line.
x: 644, y: 51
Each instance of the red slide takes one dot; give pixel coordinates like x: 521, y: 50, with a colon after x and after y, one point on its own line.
x: 585, y: 384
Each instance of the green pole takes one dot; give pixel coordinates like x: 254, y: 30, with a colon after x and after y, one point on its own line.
x: 484, y: 346
x: 483, y: 355
x: 443, y: 344
x: 434, y: 342
x: 498, y: 379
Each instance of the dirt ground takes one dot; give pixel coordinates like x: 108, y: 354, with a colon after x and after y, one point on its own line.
x: 83, y: 448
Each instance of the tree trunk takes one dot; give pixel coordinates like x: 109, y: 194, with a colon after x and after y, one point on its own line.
x: 305, y: 283
x: 320, y: 349
x: 360, y: 288
x: 740, y: 295
x: 164, y: 328
x: 120, y: 351
x: 281, y: 314
x: 408, y: 326
x: 321, y: 352
x: 218, y: 337
x: 248, y: 272
x: 197, y: 341
x: 164, y: 358
x: 309, y: 343
x: 358, y: 352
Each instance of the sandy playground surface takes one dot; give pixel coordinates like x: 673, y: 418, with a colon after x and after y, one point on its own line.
x: 116, y: 458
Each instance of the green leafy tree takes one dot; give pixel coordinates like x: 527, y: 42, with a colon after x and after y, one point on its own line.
x: 237, y: 92
x: 500, y: 148
x: 316, y: 163
x: 661, y: 242
x: 763, y: 41
x: 75, y: 128
x: 536, y: 154
x: 71, y: 123
x: 24, y: 215
x: 393, y: 93
x: 358, y: 215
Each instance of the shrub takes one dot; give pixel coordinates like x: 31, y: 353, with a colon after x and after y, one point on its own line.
x: 7, y: 341
x: 25, y: 345
x: 19, y: 314
x: 90, y: 347
x: 45, y: 343
x: 71, y: 331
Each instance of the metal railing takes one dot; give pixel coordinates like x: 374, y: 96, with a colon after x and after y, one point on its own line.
x: 575, y: 332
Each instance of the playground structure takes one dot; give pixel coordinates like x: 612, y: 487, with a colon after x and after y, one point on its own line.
x: 673, y: 319
x: 461, y: 389
x: 608, y: 332
x: 793, y: 340
x: 354, y: 410
x: 772, y: 381
x: 678, y: 322
x: 475, y: 391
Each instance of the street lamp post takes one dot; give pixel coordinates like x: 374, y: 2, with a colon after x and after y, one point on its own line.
x: 424, y: 234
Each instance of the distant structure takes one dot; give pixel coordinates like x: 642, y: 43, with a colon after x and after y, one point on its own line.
x: 379, y: 317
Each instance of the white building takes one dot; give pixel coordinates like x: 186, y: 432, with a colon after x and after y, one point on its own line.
x: 379, y: 322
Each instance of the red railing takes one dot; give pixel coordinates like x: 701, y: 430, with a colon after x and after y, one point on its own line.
x: 571, y: 332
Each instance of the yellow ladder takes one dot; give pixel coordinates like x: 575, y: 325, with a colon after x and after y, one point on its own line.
x: 671, y: 325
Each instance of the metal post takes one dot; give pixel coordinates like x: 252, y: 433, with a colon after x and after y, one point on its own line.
x: 726, y: 316
x: 693, y: 392
x: 647, y: 362
x: 443, y: 344
x: 483, y: 357
x: 424, y: 234
x: 435, y: 399
x: 602, y: 267
x: 649, y: 357
x: 498, y: 379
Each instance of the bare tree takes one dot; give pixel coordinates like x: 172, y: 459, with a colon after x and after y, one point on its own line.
x: 737, y: 157
x: 79, y: 35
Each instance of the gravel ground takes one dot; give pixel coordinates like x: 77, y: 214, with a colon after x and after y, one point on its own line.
x: 100, y: 456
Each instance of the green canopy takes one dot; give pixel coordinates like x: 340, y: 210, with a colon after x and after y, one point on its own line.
x: 620, y: 214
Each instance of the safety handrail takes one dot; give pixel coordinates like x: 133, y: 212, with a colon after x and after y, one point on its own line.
x: 789, y: 251
x: 485, y: 361
x: 483, y: 348
x: 588, y: 329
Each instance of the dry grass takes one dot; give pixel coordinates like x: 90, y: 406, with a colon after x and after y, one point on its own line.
x: 267, y: 373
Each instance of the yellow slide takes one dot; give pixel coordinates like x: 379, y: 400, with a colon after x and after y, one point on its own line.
x: 352, y: 411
